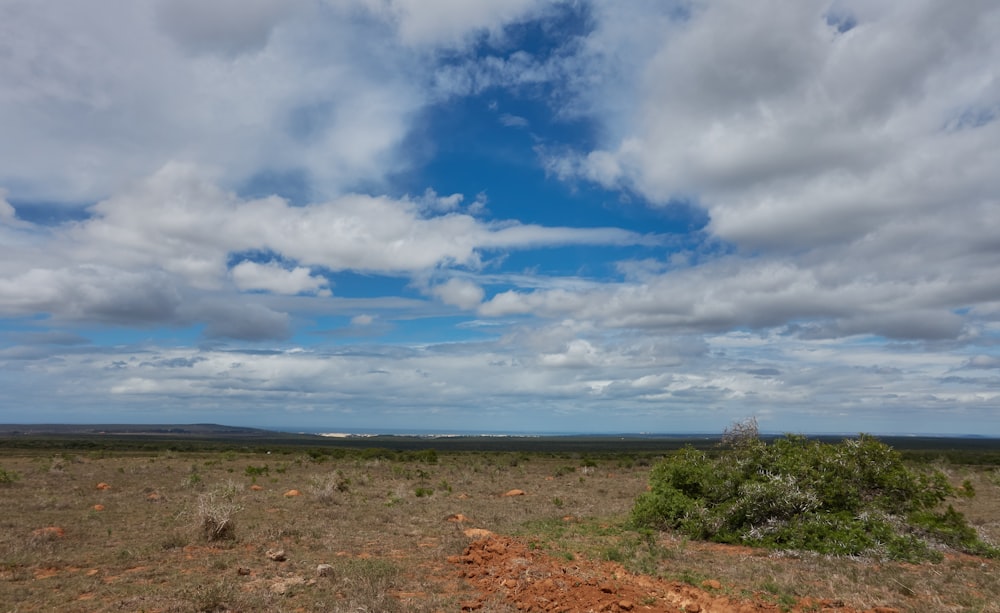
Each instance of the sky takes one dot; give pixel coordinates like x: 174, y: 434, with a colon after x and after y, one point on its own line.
x: 502, y: 215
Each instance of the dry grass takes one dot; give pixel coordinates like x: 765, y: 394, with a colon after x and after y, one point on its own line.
x: 387, y: 544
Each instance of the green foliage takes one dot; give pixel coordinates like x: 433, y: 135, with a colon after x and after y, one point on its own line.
x: 8, y: 476
x: 257, y: 471
x: 856, y: 497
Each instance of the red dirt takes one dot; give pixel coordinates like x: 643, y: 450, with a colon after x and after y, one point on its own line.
x: 531, y: 581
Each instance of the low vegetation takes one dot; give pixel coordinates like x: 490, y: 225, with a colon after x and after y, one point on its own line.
x: 853, y: 498
x: 194, y: 530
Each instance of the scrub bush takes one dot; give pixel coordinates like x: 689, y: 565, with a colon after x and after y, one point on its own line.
x: 8, y: 476
x: 856, y: 497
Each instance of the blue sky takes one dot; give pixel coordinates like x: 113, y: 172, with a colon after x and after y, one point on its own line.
x: 502, y: 215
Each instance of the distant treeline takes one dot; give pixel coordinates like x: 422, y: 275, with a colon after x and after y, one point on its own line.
x: 980, y: 451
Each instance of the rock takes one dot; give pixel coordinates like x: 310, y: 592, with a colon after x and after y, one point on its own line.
x: 324, y: 570
x: 277, y: 555
x: 457, y: 518
x: 154, y: 497
x: 103, y: 486
x: 514, y: 493
x: 477, y: 533
x: 625, y: 605
x: 281, y: 586
x: 242, y: 571
x: 49, y: 532
x: 98, y: 507
x: 256, y: 487
x: 292, y: 493
x: 711, y: 584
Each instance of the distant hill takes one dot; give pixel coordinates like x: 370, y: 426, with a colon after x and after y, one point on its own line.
x: 213, y: 431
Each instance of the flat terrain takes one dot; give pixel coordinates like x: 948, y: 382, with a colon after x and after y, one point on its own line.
x: 104, y: 530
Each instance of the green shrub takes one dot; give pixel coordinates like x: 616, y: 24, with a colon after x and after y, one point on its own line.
x: 8, y: 476
x: 257, y: 471
x: 856, y: 497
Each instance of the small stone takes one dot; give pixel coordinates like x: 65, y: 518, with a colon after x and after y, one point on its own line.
x: 514, y: 493
x: 625, y: 605
x: 154, y: 497
x: 711, y: 584
x: 103, y: 486
x: 243, y: 571
x: 98, y: 507
x: 277, y: 555
x: 49, y: 532
x: 256, y: 488
x: 477, y: 533
x: 457, y: 518
x: 324, y: 570
x: 292, y: 493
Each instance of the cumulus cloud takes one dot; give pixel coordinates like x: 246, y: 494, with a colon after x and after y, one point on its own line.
x: 733, y: 293
x: 842, y: 153
x: 458, y: 292
x: 110, y: 92
x: 230, y: 27
x: 793, y: 130
x: 274, y: 277
x: 449, y: 22
x: 168, y: 238
x: 242, y: 321
x: 92, y: 293
x: 847, y: 149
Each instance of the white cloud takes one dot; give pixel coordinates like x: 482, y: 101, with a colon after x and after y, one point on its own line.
x: 790, y: 133
x: 105, y: 95
x: 274, y: 277
x: 362, y: 320
x: 169, y: 237
x: 574, y: 373
x: 460, y: 293
x: 229, y: 27
x: 449, y: 22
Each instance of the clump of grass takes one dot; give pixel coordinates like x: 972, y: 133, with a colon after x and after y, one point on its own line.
x: 8, y: 476
x: 257, y: 471
x: 367, y: 583
x: 327, y: 488
x: 215, y: 514
x: 852, y: 498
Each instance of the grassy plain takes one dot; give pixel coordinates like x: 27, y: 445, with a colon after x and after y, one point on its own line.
x: 152, y: 540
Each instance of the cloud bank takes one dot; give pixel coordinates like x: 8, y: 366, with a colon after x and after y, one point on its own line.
x: 771, y: 209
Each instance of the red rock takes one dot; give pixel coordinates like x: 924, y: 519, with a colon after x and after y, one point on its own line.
x: 103, y: 486
x: 515, y: 493
x: 50, y: 531
x: 292, y: 493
